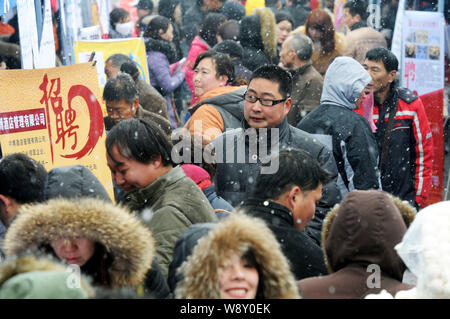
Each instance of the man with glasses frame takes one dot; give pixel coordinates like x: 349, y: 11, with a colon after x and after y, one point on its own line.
x: 122, y: 102
x: 241, y: 152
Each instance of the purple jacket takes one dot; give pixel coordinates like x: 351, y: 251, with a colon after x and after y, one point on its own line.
x: 162, y: 80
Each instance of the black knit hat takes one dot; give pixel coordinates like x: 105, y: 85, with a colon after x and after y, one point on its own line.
x: 231, y: 48
x: 233, y: 10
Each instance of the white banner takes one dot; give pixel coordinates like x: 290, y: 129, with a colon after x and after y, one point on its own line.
x: 29, y: 47
x: 423, y: 51
x: 47, y: 54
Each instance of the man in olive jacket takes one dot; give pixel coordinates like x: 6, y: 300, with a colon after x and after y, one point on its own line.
x: 139, y: 157
x: 295, y: 56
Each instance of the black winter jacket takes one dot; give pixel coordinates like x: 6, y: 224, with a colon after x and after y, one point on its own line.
x: 305, y: 256
x: 236, y: 176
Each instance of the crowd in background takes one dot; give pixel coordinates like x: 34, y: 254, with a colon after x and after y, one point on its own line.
x: 346, y: 203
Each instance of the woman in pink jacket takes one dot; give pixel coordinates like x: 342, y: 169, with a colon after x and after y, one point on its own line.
x: 202, y: 42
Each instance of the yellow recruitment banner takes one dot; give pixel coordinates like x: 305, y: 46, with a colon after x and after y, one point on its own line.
x: 54, y: 116
x: 131, y: 47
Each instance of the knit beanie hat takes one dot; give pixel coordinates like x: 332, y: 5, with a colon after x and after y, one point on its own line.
x: 231, y: 48
x: 197, y: 174
x: 233, y: 10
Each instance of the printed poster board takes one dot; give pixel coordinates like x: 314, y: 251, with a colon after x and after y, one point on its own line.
x: 54, y: 116
x: 422, y: 71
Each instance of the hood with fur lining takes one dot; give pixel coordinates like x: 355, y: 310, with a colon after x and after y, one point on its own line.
x: 370, y: 224
x: 129, y: 242
x: 266, y: 28
x: 236, y: 233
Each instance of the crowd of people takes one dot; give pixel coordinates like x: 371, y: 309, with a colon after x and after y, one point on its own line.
x: 270, y: 156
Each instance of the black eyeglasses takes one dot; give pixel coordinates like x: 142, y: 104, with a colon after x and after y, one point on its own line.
x: 263, y: 101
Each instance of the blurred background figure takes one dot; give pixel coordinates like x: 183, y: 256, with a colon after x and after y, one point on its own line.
x: 258, y: 38
x: 203, y: 41
x: 328, y: 43
x: 121, y: 25
x: 285, y: 24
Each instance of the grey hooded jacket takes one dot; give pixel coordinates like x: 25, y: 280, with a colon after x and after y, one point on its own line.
x: 347, y: 133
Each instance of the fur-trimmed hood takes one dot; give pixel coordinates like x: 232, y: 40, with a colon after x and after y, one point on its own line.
x: 237, y: 233
x: 363, y: 229
x: 26, y: 263
x: 125, y: 238
x: 258, y: 31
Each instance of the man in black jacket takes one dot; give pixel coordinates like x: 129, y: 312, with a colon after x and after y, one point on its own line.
x: 240, y: 152
x: 286, y: 202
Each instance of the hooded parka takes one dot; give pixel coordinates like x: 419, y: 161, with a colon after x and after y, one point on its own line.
x: 129, y: 244
x: 348, y: 134
x: 237, y: 233
x: 358, y: 240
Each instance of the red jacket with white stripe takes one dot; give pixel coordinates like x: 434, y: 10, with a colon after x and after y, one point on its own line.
x: 408, y: 167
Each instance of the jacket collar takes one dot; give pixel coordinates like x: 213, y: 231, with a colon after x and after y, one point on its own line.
x: 147, y: 196
x: 358, y: 25
x: 269, y: 209
x: 301, y: 70
x: 283, y: 128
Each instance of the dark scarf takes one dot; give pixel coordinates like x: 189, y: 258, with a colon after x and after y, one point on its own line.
x: 163, y: 46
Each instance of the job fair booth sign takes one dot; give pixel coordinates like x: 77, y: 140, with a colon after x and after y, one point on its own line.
x: 423, y: 73
x: 54, y: 116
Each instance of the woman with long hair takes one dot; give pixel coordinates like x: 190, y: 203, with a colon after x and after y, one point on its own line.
x: 160, y: 55
x: 328, y: 44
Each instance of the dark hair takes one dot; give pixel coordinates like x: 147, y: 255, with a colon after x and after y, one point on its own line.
x: 302, y: 45
x: 296, y: 168
x: 116, y: 15
x: 388, y: 58
x: 209, y: 26
x: 222, y: 62
x: 141, y: 140
x: 166, y: 8
x: 250, y: 258
x: 230, y: 47
x: 276, y: 74
x: 357, y: 7
x: 118, y: 59
x: 131, y: 69
x: 145, y: 5
x: 321, y: 20
x: 120, y: 87
x: 22, y: 178
x: 229, y: 30
x: 157, y: 23
x: 284, y: 16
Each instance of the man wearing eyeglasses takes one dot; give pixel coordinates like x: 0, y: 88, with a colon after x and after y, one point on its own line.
x: 240, y: 153
x: 122, y: 102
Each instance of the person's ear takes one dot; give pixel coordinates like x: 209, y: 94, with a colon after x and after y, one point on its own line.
x: 293, y: 196
x: 223, y: 79
x: 392, y: 76
x: 135, y: 106
x: 287, y: 105
x: 8, y: 203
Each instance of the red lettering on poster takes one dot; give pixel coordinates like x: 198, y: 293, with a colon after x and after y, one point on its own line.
x: 65, y: 127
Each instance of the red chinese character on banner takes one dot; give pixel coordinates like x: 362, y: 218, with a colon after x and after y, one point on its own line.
x: 410, y: 72
x: 66, y: 128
